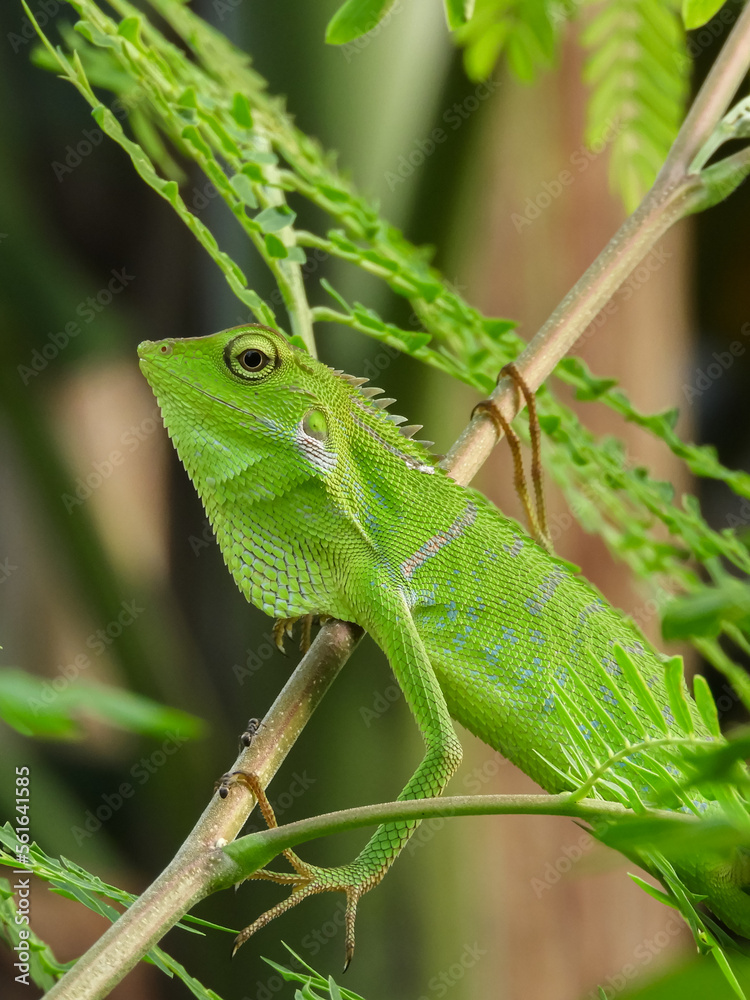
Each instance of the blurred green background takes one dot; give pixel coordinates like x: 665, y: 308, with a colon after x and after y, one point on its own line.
x: 478, y: 908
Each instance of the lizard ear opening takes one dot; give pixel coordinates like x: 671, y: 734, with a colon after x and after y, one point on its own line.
x: 315, y: 425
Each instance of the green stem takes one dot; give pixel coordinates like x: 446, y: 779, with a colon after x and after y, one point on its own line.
x: 719, y: 87
x: 256, y: 850
x: 722, y: 178
x: 288, y: 274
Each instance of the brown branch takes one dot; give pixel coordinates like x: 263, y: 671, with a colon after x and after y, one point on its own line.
x: 190, y: 875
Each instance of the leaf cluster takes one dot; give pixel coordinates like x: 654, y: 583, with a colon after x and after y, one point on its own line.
x: 678, y: 762
x: 37, y: 707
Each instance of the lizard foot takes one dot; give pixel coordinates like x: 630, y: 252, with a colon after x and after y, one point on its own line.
x: 283, y: 627
x: 306, y: 880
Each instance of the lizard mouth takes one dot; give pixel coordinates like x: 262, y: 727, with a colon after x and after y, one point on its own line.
x: 147, y: 362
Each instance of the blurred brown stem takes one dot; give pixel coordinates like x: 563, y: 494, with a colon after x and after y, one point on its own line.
x: 190, y: 876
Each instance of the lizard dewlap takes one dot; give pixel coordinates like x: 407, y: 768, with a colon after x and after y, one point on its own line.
x: 322, y: 504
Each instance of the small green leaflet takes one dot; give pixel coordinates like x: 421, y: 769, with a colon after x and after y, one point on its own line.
x: 356, y: 18
x: 697, y: 12
x: 309, y: 978
x: 244, y: 188
x: 704, y: 613
x: 272, y: 219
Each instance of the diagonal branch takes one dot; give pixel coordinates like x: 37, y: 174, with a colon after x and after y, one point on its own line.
x: 190, y: 875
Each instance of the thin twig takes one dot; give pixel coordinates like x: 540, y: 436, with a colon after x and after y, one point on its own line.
x: 256, y: 850
x: 635, y: 238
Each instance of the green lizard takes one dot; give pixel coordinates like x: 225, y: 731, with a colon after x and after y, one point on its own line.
x: 322, y: 505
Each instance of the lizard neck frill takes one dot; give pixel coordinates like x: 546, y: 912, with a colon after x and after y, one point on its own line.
x: 277, y: 547
x: 265, y: 502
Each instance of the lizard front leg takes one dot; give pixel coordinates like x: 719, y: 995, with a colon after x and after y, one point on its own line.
x: 392, y: 626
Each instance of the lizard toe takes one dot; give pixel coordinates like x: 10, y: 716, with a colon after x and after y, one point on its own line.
x: 308, y: 881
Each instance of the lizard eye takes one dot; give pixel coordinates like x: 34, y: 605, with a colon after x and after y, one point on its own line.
x: 251, y: 356
x: 253, y: 360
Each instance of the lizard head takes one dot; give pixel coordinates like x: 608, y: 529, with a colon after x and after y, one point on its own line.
x: 246, y: 396
x: 241, y: 396
x: 241, y: 368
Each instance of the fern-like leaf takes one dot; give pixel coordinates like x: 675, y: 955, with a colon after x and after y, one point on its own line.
x: 637, y: 68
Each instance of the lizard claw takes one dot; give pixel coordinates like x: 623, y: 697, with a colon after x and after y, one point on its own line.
x: 306, y: 880
x: 284, y: 627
